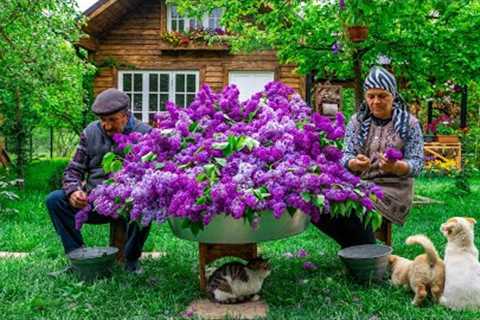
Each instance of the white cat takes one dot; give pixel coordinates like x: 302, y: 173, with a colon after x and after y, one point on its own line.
x: 462, y: 268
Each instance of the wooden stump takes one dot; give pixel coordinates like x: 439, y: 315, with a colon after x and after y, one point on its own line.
x: 209, y: 252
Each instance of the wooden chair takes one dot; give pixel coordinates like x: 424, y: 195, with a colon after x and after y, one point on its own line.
x: 385, y: 232
x: 209, y: 252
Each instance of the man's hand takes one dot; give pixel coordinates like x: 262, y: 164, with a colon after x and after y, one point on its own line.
x: 359, y: 164
x: 78, y: 199
x: 399, y: 167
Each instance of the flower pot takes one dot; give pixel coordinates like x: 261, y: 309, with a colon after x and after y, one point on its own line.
x: 357, y: 33
x: 447, y: 138
x: 227, y: 230
x: 366, y: 262
x: 93, y: 263
x: 428, y: 138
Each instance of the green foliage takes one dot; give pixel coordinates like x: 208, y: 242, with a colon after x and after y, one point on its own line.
x: 7, y: 195
x: 173, y: 279
x: 41, y: 78
x: 56, y: 178
x: 429, y: 42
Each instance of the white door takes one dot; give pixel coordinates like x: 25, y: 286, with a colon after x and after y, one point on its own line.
x: 250, y: 82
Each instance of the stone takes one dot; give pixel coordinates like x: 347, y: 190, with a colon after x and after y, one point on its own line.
x: 205, y: 309
x: 7, y: 255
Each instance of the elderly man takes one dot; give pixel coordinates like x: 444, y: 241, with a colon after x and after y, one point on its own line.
x: 84, y: 172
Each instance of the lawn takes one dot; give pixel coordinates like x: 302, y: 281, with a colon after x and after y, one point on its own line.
x: 171, y: 282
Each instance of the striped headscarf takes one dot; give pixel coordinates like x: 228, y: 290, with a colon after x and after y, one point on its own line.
x: 380, y: 78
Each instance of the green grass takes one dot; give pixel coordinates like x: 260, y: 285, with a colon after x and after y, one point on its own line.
x: 171, y: 283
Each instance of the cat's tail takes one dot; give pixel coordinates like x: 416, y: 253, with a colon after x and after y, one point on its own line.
x: 427, y: 245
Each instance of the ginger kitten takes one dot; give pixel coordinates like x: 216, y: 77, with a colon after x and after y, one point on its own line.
x: 425, y: 273
x: 462, y: 280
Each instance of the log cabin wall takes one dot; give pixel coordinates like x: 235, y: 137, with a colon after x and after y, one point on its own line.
x: 134, y: 42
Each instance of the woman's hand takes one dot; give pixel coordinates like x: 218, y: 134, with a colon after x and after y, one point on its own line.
x: 78, y: 199
x: 359, y: 164
x: 399, y: 167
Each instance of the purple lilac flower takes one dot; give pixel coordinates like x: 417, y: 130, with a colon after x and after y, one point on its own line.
x: 307, y: 265
x: 341, y: 4
x: 293, y: 154
x: 393, y: 154
x: 302, y: 253
x: 336, y: 47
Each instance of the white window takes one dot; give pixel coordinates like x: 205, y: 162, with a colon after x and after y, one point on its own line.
x: 176, y: 22
x: 250, y: 82
x: 150, y: 90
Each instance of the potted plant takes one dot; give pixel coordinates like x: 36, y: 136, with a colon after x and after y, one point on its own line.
x: 264, y: 164
x: 355, y: 16
x: 444, y: 130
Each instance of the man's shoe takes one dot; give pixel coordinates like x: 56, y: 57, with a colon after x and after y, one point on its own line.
x: 133, y: 267
x: 56, y: 274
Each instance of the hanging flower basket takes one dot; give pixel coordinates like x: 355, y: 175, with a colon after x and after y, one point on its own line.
x: 357, y: 33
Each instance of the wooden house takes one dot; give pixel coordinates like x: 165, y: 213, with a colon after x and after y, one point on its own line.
x: 127, y: 39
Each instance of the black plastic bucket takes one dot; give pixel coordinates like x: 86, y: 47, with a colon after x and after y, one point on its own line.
x: 93, y: 263
x: 366, y: 262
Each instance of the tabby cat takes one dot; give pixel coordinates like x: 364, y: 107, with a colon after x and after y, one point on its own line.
x: 235, y: 282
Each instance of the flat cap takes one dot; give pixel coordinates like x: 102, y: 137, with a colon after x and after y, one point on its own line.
x: 110, y: 101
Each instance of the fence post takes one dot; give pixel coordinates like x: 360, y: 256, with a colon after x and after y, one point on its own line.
x: 51, y: 142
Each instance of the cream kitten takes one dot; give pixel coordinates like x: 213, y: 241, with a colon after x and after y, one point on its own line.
x: 462, y: 279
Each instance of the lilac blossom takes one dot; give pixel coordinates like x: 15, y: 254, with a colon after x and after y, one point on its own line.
x: 392, y: 154
x: 223, y: 156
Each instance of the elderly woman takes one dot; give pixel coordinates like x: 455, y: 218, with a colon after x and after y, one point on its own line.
x: 382, y: 123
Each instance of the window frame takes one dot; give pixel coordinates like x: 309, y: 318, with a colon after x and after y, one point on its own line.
x: 205, y: 20
x: 145, y: 112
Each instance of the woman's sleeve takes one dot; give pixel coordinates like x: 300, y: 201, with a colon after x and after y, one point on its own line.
x: 349, y: 152
x: 414, y: 149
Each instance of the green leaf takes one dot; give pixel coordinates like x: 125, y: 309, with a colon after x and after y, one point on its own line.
x: 306, y: 196
x: 221, y: 161
x: 196, y: 227
x: 149, y: 157
x: 220, y: 145
x: 193, y: 127
x: 127, y: 149
x: 291, y: 211
x: 376, y: 220
x: 249, y: 215
x: 201, y: 177
x: 107, y: 161
x: 201, y: 200
x: 319, y: 201
x: 159, y: 165
x: 116, y: 166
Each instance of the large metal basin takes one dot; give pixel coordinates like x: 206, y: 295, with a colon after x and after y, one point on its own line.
x: 225, y: 229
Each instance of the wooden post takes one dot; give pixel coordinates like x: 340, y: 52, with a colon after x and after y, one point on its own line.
x: 209, y: 252
x: 118, y: 236
x: 430, y: 111
x: 357, y: 70
x: 463, y: 107
x: 51, y: 142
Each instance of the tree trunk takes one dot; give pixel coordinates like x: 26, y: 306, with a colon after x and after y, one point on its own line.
x: 357, y: 70
x: 20, y: 138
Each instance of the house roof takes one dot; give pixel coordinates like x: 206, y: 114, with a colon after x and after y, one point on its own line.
x: 103, y: 14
